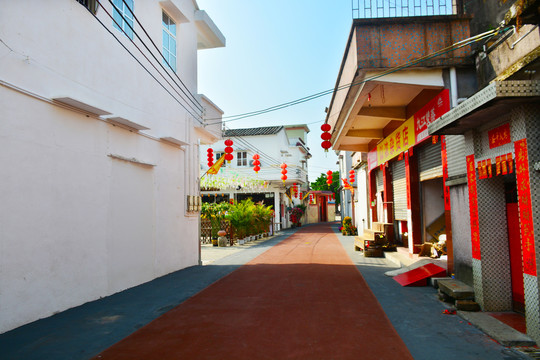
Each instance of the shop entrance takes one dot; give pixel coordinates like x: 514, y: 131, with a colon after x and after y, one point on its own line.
x: 433, y: 221
x: 323, y: 209
x: 514, y: 243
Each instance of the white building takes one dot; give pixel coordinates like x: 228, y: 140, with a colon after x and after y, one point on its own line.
x: 237, y: 180
x: 98, y: 148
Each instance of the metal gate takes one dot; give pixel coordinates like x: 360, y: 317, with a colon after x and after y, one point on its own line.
x: 430, y: 161
x: 399, y: 185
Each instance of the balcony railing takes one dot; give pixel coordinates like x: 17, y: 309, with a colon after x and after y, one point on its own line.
x: 366, y: 9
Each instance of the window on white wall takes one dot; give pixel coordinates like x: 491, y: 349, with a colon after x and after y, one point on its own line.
x: 169, y: 41
x: 123, y: 16
x: 241, y: 157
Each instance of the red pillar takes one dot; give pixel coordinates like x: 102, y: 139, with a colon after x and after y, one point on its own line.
x: 413, y: 202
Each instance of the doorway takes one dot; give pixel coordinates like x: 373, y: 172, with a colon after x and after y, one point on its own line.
x: 514, y: 243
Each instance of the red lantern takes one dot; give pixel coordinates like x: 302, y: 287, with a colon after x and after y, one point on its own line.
x: 256, y: 163
x: 351, y: 176
x: 300, y: 194
x: 333, y: 196
x: 284, y: 172
x: 329, y: 175
x: 228, y: 150
x: 326, y: 136
x: 210, y: 153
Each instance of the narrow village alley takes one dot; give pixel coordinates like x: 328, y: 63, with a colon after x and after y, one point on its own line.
x: 302, y: 295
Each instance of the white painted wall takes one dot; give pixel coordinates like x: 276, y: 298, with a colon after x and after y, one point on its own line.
x: 76, y: 221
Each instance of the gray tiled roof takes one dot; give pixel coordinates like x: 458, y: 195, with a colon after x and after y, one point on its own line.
x: 267, y: 130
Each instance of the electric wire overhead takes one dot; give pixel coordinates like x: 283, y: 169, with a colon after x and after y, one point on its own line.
x: 197, y: 117
x: 452, y: 47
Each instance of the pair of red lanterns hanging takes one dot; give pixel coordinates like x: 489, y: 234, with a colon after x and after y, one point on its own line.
x: 351, y: 176
x: 326, y: 136
x: 210, y: 153
x: 329, y: 175
x: 283, y: 172
x: 256, y: 163
x: 228, y: 150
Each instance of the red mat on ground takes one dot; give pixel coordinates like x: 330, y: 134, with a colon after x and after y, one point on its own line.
x: 419, y: 276
x: 301, y: 299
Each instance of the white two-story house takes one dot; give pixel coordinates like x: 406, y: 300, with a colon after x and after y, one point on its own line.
x: 100, y: 121
x: 237, y: 180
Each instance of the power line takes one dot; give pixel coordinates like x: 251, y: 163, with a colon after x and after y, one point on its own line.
x: 194, y: 101
x: 453, y: 47
x: 196, y: 117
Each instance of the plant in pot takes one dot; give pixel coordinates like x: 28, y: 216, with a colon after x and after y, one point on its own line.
x: 239, y: 215
x: 296, y: 215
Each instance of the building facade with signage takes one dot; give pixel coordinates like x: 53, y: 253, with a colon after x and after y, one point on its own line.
x: 495, y: 173
x: 395, y: 92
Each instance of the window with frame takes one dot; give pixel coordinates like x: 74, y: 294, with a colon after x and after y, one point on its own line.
x: 241, y: 158
x: 169, y: 41
x: 123, y: 16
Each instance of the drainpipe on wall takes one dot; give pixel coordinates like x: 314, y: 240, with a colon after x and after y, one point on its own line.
x: 453, y: 87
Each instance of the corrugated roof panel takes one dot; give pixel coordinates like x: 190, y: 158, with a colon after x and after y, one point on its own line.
x: 267, y: 130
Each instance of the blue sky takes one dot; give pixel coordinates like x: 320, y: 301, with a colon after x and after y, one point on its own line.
x: 277, y: 51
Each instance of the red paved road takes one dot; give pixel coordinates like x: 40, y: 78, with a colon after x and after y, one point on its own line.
x: 301, y: 299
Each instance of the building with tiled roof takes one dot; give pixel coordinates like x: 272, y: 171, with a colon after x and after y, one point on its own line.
x: 237, y: 180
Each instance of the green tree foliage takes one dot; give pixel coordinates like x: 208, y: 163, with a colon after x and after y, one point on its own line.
x: 321, y: 185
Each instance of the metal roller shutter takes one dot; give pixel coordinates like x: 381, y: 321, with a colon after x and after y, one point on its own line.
x: 455, y: 150
x: 379, y: 179
x: 399, y: 185
x: 430, y: 161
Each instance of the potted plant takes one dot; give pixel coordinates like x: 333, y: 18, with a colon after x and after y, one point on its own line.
x: 296, y: 215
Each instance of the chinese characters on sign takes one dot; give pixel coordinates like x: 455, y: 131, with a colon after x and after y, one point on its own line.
x: 473, y: 208
x: 499, y: 136
x: 396, y: 143
x: 429, y: 113
x: 525, y: 207
x: 414, y: 130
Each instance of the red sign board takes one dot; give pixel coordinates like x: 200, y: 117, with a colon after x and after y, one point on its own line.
x: 525, y: 207
x: 499, y: 136
x: 430, y: 112
x: 473, y: 208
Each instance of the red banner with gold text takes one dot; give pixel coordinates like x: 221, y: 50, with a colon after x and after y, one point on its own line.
x: 525, y: 207
x: 473, y: 208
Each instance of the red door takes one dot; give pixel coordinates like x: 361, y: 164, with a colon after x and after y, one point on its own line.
x: 514, y: 241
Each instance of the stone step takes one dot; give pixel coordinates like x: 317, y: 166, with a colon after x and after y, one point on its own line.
x: 467, y: 305
x: 456, y: 289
